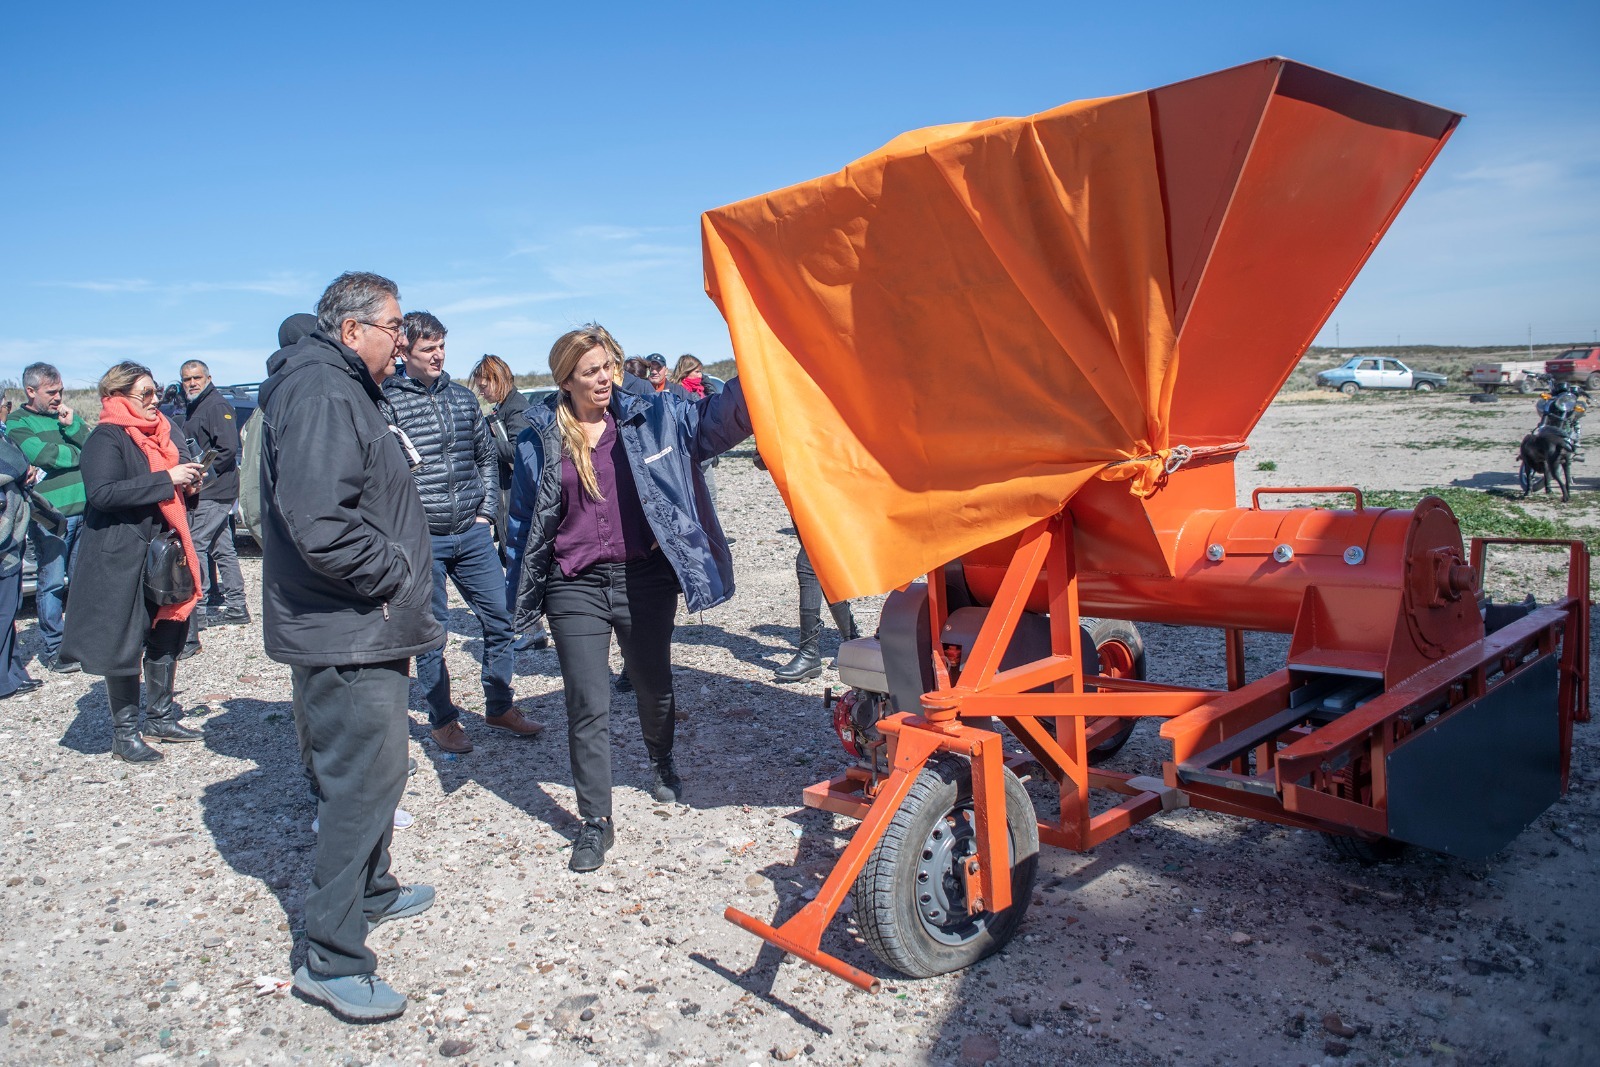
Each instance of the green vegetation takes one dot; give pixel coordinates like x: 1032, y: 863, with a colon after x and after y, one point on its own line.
x: 1266, y: 465
x: 1491, y: 514
x: 1461, y: 444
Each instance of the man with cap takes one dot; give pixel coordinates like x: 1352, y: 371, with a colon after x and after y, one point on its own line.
x: 659, y: 378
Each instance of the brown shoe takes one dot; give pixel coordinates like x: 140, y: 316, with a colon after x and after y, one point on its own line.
x: 452, y: 737
x: 514, y: 722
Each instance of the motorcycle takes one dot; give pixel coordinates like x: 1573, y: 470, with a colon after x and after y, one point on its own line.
x: 1547, y: 452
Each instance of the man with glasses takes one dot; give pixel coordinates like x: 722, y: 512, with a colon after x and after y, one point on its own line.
x: 51, y: 436
x: 210, y: 423
x: 458, y: 479
x: 346, y: 584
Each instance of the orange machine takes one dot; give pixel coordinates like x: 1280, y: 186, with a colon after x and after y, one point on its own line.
x: 1109, y: 295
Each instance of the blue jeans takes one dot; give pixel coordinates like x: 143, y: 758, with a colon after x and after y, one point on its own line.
x: 471, y: 561
x: 54, y: 556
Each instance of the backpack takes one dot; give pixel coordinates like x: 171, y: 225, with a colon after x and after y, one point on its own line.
x: 250, y: 474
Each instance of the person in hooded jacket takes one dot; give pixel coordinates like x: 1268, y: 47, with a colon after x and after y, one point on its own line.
x: 609, y: 523
x: 136, y: 480
x: 346, y: 585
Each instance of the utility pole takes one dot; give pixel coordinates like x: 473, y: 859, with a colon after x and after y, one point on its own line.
x: 1530, y: 340
x: 1336, y: 342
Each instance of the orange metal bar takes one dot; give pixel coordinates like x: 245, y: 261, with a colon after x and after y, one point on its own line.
x: 1032, y: 675
x: 983, y: 661
x: 1234, y: 639
x: 1075, y: 705
x: 989, y: 815
x: 801, y: 935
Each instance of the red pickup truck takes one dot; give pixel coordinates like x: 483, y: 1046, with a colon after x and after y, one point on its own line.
x: 1581, y: 365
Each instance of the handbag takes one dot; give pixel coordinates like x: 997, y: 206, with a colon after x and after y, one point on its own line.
x: 167, y: 578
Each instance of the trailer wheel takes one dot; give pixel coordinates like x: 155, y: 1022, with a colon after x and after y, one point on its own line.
x: 1365, y: 850
x: 1527, y: 385
x: 1121, y: 651
x: 910, y: 899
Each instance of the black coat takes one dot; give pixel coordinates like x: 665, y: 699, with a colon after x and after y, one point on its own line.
x: 210, y: 422
x: 511, y: 418
x: 109, y: 619
x: 347, y: 566
x: 459, y: 479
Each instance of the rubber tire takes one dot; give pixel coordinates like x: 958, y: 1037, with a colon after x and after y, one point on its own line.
x: 885, y: 893
x: 1366, y: 851
x: 1593, y: 382
x: 1350, y: 388
x: 1424, y: 387
x: 1527, y: 385
x: 1125, y: 634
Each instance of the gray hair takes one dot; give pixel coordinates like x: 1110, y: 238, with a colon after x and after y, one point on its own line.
x: 36, y: 374
x: 195, y: 363
x: 355, y: 295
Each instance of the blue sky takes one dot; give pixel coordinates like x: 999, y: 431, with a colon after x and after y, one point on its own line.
x: 178, y: 178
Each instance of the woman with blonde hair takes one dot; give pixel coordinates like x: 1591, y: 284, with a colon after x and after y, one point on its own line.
x: 136, y: 481
x: 609, y: 523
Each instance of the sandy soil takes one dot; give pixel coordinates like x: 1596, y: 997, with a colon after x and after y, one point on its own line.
x: 152, y: 914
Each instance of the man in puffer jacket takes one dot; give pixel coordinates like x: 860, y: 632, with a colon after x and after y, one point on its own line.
x: 458, y: 480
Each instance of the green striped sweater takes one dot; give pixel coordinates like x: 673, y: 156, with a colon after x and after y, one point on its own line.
x: 54, y: 450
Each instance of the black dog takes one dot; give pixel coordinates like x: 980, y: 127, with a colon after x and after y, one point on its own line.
x: 1550, y: 455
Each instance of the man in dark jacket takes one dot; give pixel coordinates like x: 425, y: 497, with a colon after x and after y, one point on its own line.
x: 345, y: 590
x: 209, y: 422
x: 458, y: 480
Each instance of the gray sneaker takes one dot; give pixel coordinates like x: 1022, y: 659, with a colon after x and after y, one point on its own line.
x: 413, y: 900
x: 361, y: 998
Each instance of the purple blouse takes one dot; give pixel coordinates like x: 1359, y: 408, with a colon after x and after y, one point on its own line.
x: 611, y: 530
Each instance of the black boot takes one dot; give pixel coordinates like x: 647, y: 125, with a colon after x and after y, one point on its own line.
x: 159, y: 722
x: 191, y: 643
x: 844, y: 620
x: 123, y: 694
x: 665, y: 787
x: 807, y: 663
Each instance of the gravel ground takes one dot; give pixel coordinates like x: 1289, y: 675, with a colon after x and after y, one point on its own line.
x: 153, y: 913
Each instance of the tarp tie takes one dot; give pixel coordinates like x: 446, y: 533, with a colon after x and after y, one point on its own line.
x: 1148, y: 472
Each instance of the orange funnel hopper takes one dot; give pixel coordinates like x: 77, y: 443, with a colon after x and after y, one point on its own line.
x: 949, y: 338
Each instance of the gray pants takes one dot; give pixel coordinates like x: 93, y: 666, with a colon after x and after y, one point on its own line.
x: 213, y: 543
x: 353, y: 731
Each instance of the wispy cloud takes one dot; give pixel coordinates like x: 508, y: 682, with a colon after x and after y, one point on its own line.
x: 499, y: 301
x: 279, y: 285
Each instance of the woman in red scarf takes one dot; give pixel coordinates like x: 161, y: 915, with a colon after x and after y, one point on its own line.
x: 135, y: 482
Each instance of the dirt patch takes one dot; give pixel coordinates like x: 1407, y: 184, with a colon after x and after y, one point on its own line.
x: 152, y: 914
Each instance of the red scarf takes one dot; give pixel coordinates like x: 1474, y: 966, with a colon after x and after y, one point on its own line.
x: 153, y: 435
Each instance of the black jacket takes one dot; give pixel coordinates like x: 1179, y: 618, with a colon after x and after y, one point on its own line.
x: 459, y: 478
x: 666, y: 440
x: 506, y: 423
x: 108, y: 563
x: 347, y: 567
x: 209, y: 421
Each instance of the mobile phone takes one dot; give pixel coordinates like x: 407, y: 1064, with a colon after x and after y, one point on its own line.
x: 208, y: 457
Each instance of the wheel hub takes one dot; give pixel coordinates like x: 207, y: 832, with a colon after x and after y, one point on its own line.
x: 941, y: 887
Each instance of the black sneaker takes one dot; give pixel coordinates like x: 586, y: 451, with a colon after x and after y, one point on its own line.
x: 624, y: 685
x: 58, y: 665
x: 666, y: 787
x: 231, y: 617
x: 589, y: 850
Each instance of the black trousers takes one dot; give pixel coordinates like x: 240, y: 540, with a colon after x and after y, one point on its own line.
x: 636, y: 601
x: 353, y: 732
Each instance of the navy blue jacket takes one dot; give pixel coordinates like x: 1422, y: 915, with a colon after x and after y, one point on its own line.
x: 665, y: 439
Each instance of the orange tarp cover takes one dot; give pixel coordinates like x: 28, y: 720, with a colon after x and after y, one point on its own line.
x: 942, y: 342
